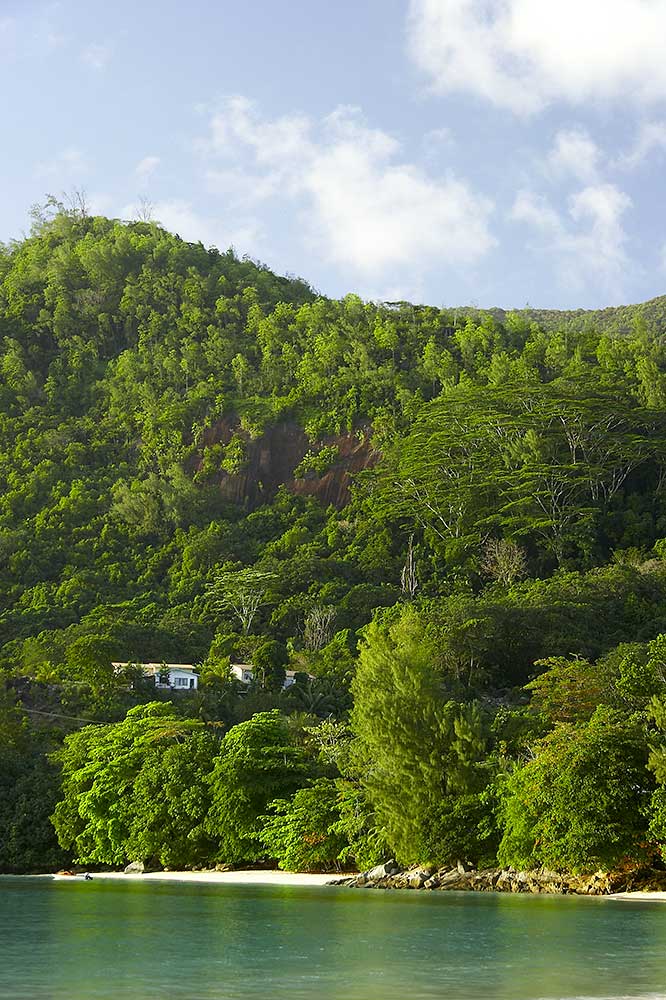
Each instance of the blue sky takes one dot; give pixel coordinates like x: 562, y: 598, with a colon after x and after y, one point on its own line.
x: 489, y: 152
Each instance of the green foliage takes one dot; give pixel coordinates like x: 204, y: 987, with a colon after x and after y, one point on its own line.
x: 171, y: 796
x: 367, y: 846
x: 303, y: 833
x: 543, y: 461
x: 466, y: 827
x: 164, y: 412
x: 135, y: 786
x: 641, y: 670
x: 29, y: 788
x: 234, y: 456
x: 242, y: 591
x: 270, y: 661
x: 500, y: 637
x: 582, y: 802
x: 317, y: 463
x: 329, y: 823
x: 396, y: 717
x: 258, y: 761
x: 418, y: 749
x: 568, y: 690
x: 657, y: 764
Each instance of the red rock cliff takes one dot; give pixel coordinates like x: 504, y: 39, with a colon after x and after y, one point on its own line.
x: 272, y: 458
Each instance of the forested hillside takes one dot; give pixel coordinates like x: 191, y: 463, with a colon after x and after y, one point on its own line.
x: 451, y: 524
x: 613, y: 319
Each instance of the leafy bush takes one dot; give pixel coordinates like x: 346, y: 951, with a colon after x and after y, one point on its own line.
x: 582, y: 803
x: 303, y: 833
x: 258, y: 761
x: 316, y: 463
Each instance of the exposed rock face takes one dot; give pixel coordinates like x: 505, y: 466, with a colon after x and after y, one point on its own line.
x: 355, y: 454
x: 541, y: 880
x: 274, y: 455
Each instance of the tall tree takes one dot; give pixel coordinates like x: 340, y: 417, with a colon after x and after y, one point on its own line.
x: 259, y: 760
x: 416, y: 748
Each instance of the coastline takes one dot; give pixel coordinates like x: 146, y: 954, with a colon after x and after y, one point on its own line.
x: 214, y: 877
x: 646, y: 896
x: 643, y: 886
x: 298, y: 879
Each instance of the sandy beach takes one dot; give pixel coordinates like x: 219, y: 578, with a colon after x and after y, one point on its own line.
x: 282, y: 878
x: 641, y: 897
x: 217, y: 878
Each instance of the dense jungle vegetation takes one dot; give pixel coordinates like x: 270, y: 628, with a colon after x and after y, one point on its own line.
x: 450, y: 524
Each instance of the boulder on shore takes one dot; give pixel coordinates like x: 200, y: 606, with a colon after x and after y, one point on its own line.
x: 135, y: 868
x: 461, y: 878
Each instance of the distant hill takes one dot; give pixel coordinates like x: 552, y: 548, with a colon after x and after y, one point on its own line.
x: 612, y: 319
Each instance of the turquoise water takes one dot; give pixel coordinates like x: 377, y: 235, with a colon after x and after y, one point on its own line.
x: 164, y: 941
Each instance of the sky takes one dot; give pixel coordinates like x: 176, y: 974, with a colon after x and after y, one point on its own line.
x: 453, y: 152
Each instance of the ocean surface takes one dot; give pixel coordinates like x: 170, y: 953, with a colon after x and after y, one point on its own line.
x: 108, y: 940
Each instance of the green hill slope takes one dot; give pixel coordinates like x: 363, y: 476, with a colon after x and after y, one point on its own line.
x: 156, y: 397
x: 613, y: 319
x: 449, y: 525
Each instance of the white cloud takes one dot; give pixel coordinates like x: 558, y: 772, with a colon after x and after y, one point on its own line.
x: 96, y: 55
x: 525, y: 54
x: 146, y: 167
x: 439, y: 137
x: 7, y: 35
x: 242, y: 188
x: 651, y: 137
x: 50, y: 25
x: 361, y: 206
x: 588, y: 242
x: 574, y: 153
x: 537, y: 211
x: 100, y: 203
x: 55, y: 39
x: 32, y: 34
x: 64, y: 166
x: 179, y: 216
x: 438, y: 142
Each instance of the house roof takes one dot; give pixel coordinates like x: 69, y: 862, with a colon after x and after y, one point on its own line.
x: 248, y: 667
x: 157, y: 668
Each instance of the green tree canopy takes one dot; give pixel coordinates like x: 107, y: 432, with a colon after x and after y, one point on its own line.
x: 582, y: 803
x: 135, y: 787
x: 258, y: 761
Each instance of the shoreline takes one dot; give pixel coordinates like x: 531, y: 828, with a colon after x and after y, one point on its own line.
x: 275, y: 878
x: 644, y: 886
x: 296, y: 879
x: 646, y: 896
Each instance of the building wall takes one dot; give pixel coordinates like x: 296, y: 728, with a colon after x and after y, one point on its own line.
x: 179, y: 680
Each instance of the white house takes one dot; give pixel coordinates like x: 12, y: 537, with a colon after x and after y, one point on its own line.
x: 244, y: 672
x: 168, y: 676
